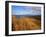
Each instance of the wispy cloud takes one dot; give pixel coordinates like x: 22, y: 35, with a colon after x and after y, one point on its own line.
x: 26, y: 10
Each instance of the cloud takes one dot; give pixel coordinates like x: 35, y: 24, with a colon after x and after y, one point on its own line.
x: 26, y: 10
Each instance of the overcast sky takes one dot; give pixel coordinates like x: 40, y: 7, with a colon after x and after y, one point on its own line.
x: 26, y: 10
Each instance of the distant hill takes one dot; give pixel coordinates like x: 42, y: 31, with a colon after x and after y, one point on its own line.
x: 21, y: 16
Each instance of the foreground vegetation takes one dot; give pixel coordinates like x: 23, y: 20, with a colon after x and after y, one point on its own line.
x: 26, y: 23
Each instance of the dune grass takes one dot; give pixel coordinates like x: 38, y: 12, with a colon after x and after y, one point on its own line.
x: 26, y: 23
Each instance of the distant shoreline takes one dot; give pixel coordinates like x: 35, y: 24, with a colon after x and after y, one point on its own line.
x: 26, y: 15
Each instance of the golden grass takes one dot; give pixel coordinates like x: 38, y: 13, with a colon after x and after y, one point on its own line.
x: 25, y: 23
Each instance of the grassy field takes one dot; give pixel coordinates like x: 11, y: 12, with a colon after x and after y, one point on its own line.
x: 26, y: 23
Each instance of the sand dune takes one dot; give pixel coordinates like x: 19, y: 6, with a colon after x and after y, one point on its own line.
x: 25, y: 23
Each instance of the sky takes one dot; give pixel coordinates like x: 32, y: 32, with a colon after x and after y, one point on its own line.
x: 26, y: 10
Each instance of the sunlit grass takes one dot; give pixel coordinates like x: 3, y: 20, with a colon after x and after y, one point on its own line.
x: 25, y: 23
